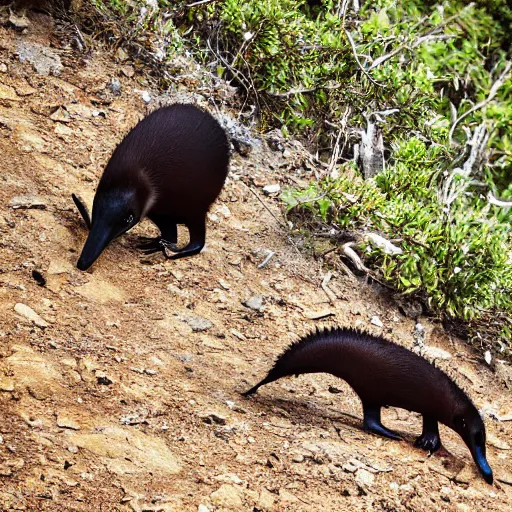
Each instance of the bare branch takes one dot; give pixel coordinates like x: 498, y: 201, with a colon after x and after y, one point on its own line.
x: 498, y: 202
x: 354, y: 51
x: 200, y: 2
x: 492, y: 93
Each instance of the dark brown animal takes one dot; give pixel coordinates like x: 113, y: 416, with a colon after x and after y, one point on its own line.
x: 385, y: 374
x: 171, y: 167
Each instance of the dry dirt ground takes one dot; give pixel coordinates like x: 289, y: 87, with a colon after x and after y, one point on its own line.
x: 111, y: 401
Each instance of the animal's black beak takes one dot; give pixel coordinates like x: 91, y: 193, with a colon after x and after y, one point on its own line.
x: 99, y: 237
x: 478, y: 453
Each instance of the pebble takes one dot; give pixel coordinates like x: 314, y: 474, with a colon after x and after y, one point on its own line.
x: 103, y: 378
x: 266, y: 501
x: 376, y: 321
x: 255, y: 302
x: 435, y: 353
x: 19, y: 21
x: 203, y: 508
x: 272, y: 189
x: 61, y: 115
x: 6, y: 384
x: 227, y: 496
x: 364, y: 479
x: 197, y: 323
x: 3, y: 68
x: 128, y: 71
x: 64, y: 421
x: 28, y: 313
x: 115, y: 86
x: 213, y: 417
x: 27, y: 203
x: 121, y: 54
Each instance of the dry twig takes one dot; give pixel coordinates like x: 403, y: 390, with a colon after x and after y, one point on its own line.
x: 492, y: 93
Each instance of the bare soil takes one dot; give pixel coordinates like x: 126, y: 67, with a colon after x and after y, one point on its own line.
x: 113, y: 402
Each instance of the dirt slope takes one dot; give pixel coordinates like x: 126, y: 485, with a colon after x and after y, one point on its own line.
x: 122, y: 392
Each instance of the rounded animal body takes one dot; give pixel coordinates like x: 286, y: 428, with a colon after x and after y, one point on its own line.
x: 385, y: 374
x: 170, y: 168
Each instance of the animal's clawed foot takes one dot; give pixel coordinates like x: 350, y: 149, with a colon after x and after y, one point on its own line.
x: 429, y: 442
x: 372, y: 423
x: 158, y: 245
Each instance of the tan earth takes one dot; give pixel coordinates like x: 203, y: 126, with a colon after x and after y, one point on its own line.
x: 112, y: 401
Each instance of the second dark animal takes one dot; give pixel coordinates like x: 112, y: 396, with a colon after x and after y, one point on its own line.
x: 170, y: 168
x: 383, y: 373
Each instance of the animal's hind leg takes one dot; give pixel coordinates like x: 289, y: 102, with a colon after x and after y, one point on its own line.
x: 371, y: 422
x: 197, y: 232
x: 429, y: 439
x: 168, y: 235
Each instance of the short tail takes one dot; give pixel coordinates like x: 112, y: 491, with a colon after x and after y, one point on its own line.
x: 255, y: 388
x: 84, y: 212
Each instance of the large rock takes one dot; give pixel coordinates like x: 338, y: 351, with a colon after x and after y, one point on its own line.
x: 128, y: 451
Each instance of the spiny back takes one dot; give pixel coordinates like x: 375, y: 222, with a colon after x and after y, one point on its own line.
x: 379, y: 371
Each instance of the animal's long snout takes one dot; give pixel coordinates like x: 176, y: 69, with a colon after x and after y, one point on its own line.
x: 98, y: 239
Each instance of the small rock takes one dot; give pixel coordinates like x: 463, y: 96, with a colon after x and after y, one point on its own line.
x: 487, y: 357
x: 493, y: 441
x: 146, y: 97
x: 61, y: 115
x: 19, y: 21
x: 435, y: 353
x: 227, y: 496
x: 255, y: 302
x: 229, y: 478
x: 465, y: 475
x: 148, y: 371
x: 27, y: 203
x: 6, y: 384
x: 376, y: 321
x: 62, y: 130
x: 298, y: 458
x: 318, y: 315
x: 203, y: 508
x: 197, y: 323
x: 5, y: 470
x: 272, y: 189
x: 224, y: 284
x: 115, y: 86
x: 64, y: 421
x: 8, y: 93
x: 364, y: 479
x: 128, y: 71
x: 121, y: 54
x: 44, y: 60
x: 28, y: 313
x: 238, y: 334
x: 266, y: 500
x: 214, y: 418
x: 103, y: 378
x: 3, y: 68
x: 25, y: 90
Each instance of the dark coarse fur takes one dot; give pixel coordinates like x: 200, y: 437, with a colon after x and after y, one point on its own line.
x: 385, y: 374
x: 170, y: 167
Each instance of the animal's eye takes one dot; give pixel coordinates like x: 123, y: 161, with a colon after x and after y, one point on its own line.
x: 129, y: 219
